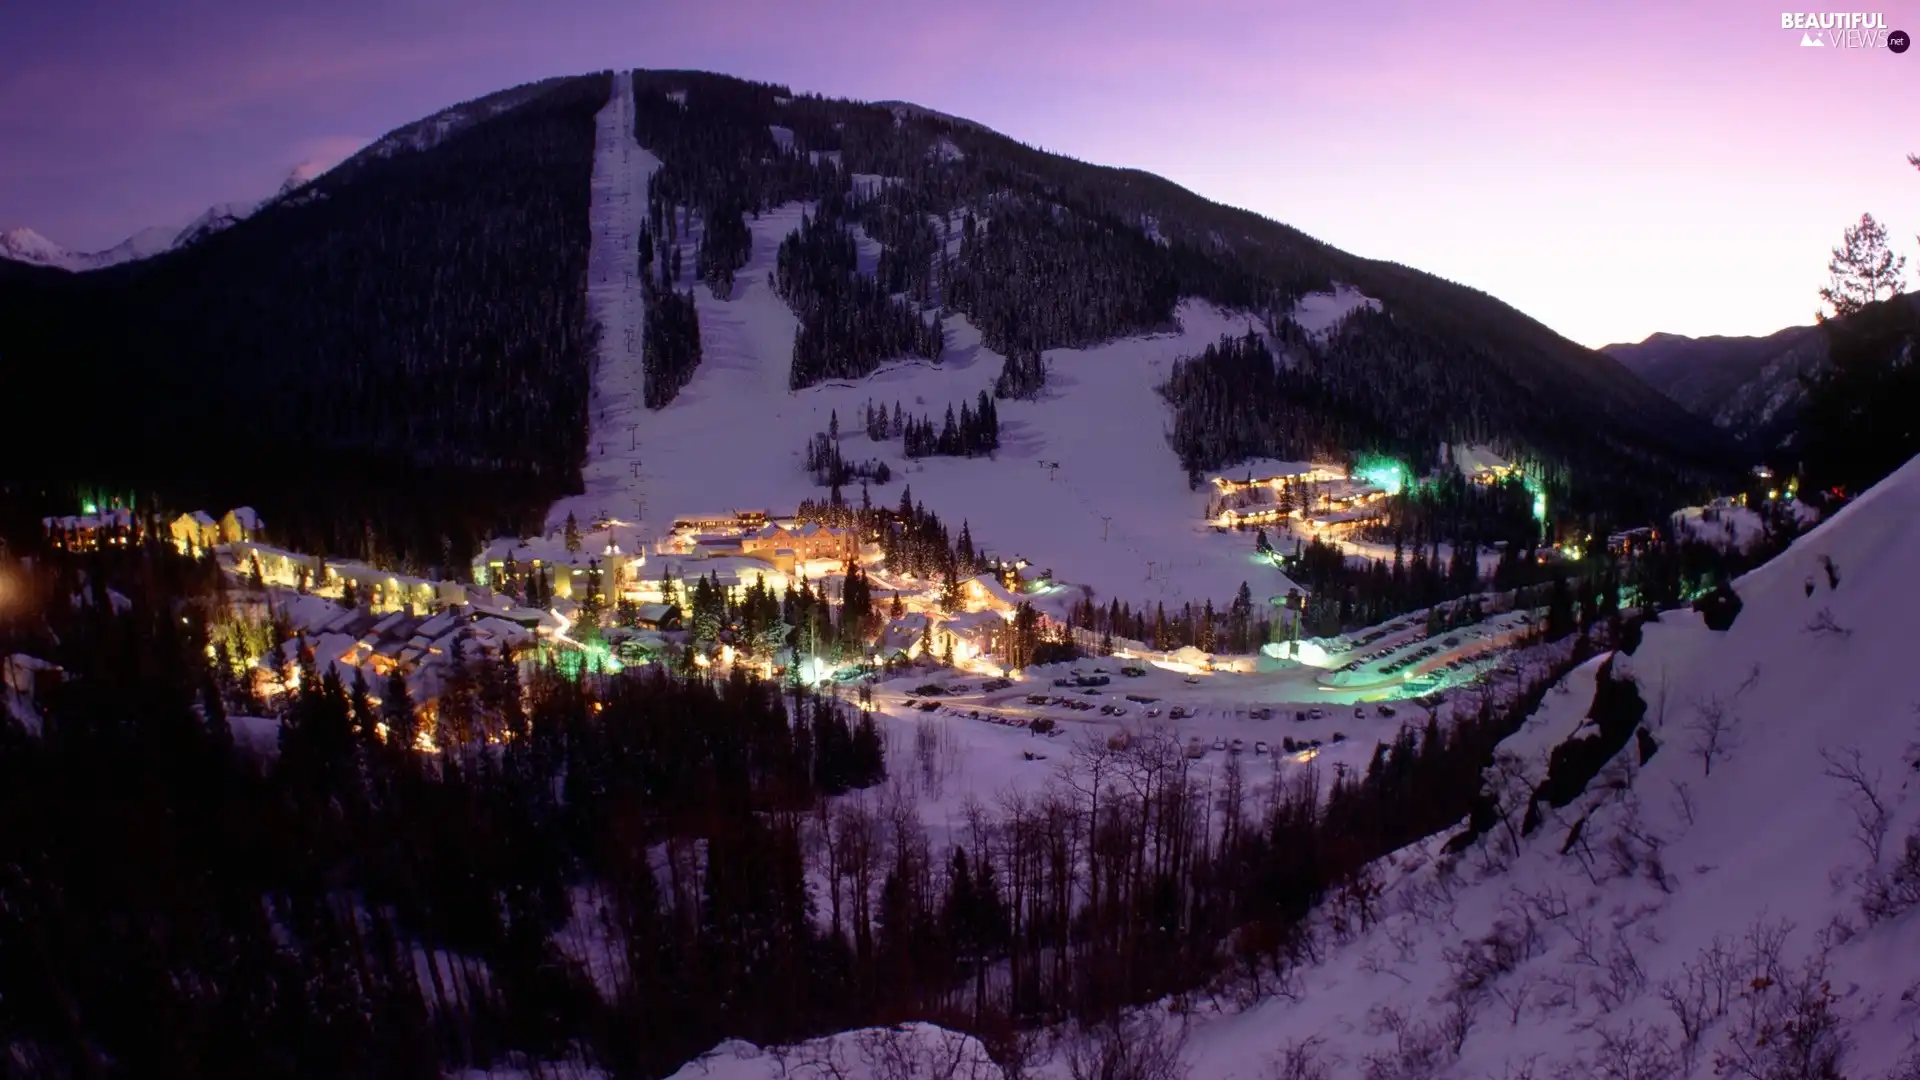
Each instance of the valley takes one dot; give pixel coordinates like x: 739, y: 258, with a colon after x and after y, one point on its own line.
x: 731, y: 583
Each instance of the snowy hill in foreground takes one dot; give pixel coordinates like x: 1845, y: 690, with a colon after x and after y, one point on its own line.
x: 23, y: 244
x: 1747, y: 848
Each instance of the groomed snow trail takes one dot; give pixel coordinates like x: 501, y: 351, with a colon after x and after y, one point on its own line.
x: 621, y: 170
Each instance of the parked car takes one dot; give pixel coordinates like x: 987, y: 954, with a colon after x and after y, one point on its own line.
x: 1259, y: 747
x: 1386, y: 710
x: 1106, y: 710
x: 1239, y: 746
x: 1219, y: 744
x: 1155, y: 711
x: 929, y: 706
x: 1179, y: 713
x: 1261, y: 714
x: 1359, y: 713
x: 1133, y: 672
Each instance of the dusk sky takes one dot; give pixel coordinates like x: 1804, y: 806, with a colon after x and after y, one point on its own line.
x: 1611, y: 169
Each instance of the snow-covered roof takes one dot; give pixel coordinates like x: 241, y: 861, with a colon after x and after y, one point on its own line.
x: 731, y: 569
x: 246, y: 516
x: 901, y: 634
x: 995, y: 591
x: 968, y: 622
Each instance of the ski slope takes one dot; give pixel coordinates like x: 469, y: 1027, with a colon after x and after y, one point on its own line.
x: 1116, y: 515
x: 621, y: 170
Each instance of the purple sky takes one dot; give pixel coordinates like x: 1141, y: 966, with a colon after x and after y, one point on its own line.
x: 1612, y: 169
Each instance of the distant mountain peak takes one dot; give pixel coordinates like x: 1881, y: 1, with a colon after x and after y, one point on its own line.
x: 24, y: 244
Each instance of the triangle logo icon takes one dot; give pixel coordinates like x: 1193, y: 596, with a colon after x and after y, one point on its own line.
x: 1808, y: 41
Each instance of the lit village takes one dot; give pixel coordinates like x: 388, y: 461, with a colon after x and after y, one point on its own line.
x: 809, y: 599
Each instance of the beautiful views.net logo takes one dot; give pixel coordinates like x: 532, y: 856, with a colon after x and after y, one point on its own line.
x: 1845, y: 30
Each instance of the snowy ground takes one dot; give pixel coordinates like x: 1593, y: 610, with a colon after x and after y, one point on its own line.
x: 1115, y: 515
x: 1786, y: 780
x: 620, y: 173
x: 1770, y: 833
x: 981, y: 739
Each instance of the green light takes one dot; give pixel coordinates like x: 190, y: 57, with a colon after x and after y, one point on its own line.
x: 1384, y: 473
x: 1539, y: 506
x: 89, y: 508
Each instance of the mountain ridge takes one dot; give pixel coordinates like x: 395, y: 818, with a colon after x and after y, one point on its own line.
x: 304, y: 307
x: 1749, y: 386
x: 23, y: 243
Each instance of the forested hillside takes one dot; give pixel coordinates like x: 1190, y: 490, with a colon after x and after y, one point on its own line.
x: 405, y: 347
x: 1041, y: 252
x: 398, y: 360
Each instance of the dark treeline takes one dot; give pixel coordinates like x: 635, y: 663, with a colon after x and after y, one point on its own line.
x: 973, y: 432
x: 405, y: 341
x: 1234, y: 402
x: 719, y: 164
x: 849, y: 323
x: 670, y: 342
x: 171, y: 904
x: 620, y: 872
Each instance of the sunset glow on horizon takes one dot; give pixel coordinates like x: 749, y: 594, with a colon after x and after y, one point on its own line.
x: 1611, y: 170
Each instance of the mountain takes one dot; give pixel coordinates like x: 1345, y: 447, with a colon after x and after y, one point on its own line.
x: 23, y: 244
x: 424, y: 307
x: 1749, y: 387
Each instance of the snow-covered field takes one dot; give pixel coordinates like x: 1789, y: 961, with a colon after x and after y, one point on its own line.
x: 1116, y: 514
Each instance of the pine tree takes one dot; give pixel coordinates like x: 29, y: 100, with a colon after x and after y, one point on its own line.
x: 1863, y: 270
x: 572, y: 534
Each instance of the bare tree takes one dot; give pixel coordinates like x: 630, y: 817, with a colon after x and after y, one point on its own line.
x: 1133, y: 1047
x: 1302, y: 1059
x: 1870, y: 815
x: 1633, y: 1052
x: 1715, y: 733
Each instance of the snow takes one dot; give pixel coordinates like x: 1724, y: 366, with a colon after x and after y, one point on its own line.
x: 782, y: 136
x: 867, y: 185
x: 1320, y: 314
x: 1733, y: 527
x: 1677, y: 859
x: 621, y: 170
x: 944, y: 150
x: 815, y: 157
x: 910, y: 1052
x: 23, y: 244
x: 734, y: 437
x: 1771, y: 835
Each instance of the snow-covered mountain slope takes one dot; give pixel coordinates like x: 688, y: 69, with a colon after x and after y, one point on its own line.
x: 1751, y: 891
x: 431, y: 131
x: 23, y: 244
x: 1115, y: 514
